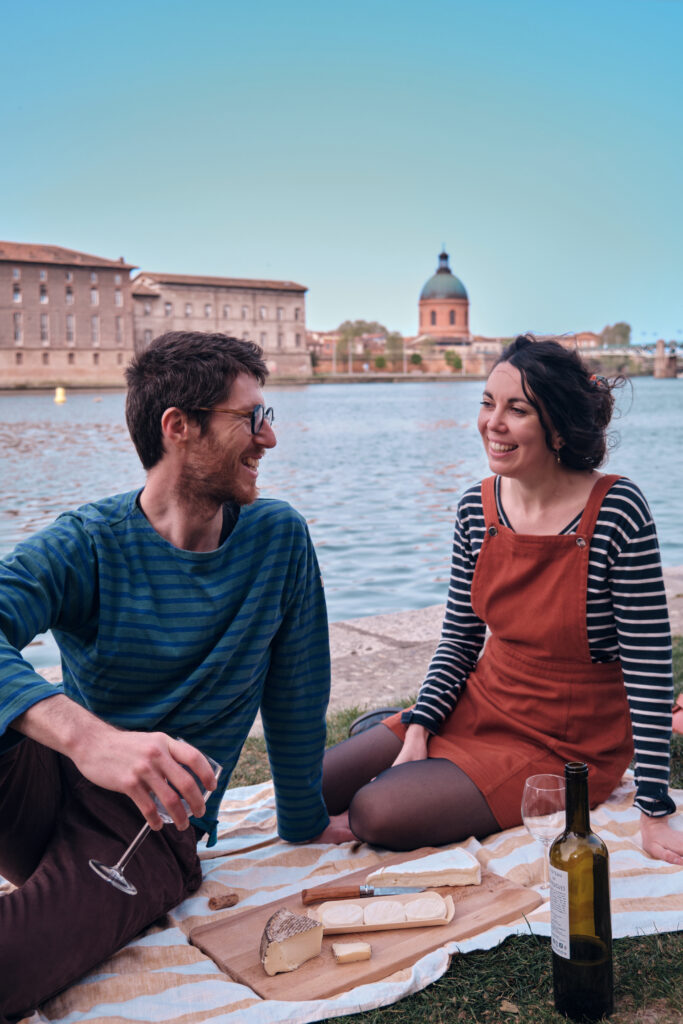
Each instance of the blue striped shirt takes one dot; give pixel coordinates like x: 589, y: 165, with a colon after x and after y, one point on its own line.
x: 626, y: 618
x: 190, y: 643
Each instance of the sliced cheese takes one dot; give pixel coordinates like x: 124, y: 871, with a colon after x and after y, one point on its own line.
x: 383, y: 911
x: 449, y: 867
x: 426, y: 908
x: 288, y: 941
x: 341, y: 915
x: 348, y: 952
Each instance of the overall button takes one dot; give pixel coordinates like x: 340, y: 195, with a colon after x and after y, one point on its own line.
x: 580, y: 542
x: 493, y: 532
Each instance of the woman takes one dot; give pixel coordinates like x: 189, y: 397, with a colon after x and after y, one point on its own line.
x: 562, y: 564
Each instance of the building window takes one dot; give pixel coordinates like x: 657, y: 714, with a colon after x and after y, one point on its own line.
x: 451, y: 316
x: 263, y: 339
x: 188, y: 309
x: 297, y: 312
x: 17, y: 329
x: 118, y: 328
x: 69, y: 296
x: 262, y: 312
x: 117, y: 279
x: 94, y: 297
x: 95, y: 330
x: 46, y: 358
x: 147, y: 307
x: 226, y: 312
x: 71, y: 358
x: 43, y: 275
x: 432, y: 317
x: 96, y: 358
x: 18, y: 358
x: 44, y: 329
x: 118, y: 297
x: 16, y: 273
x: 207, y: 309
x: 148, y: 337
x: 297, y: 340
x: 16, y: 293
x: 70, y: 328
x: 93, y: 277
x: 69, y: 276
x: 119, y: 358
x: 280, y: 313
x: 280, y: 339
x: 245, y: 312
x: 245, y: 336
x: 43, y: 294
x: 168, y: 309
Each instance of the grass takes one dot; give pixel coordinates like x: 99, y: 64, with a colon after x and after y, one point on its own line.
x: 512, y: 983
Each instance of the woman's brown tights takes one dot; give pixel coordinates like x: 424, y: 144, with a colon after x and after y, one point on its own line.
x: 419, y: 803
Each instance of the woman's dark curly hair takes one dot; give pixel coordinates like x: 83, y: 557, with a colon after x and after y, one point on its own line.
x: 567, y: 397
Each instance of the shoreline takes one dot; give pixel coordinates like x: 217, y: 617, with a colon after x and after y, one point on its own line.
x: 381, y: 660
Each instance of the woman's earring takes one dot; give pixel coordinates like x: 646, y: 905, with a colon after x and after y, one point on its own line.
x: 558, y: 460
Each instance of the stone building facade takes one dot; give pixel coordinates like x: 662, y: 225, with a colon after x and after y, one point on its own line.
x: 271, y: 313
x: 65, y: 317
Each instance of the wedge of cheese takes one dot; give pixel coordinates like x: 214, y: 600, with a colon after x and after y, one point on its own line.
x: 449, y: 867
x: 349, y: 952
x: 288, y: 941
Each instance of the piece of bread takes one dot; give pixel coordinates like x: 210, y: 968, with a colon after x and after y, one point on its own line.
x: 383, y: 911
x: 448, y: 867
x: 288, y: 941
x: 426, y: 908
x: 341, y: 915
x: 348, y: 952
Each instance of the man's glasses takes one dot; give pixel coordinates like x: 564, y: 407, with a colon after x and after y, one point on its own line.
x: 258, y: 415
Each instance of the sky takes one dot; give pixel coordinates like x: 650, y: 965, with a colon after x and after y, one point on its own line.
x: 342, y: 145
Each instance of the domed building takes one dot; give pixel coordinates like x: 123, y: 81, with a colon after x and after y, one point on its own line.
x: 444, y: 308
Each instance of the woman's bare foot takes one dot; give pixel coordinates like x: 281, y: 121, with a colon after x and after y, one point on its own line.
x: 677, y: 720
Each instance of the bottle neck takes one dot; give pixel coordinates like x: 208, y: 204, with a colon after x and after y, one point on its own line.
x: 578, y: 814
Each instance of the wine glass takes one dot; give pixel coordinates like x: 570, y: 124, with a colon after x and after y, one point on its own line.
x: 543, y: 804
x: 114, y: 873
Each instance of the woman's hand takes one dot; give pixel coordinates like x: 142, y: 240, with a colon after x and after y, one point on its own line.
x: 660, y: 840
x: 414, y: 746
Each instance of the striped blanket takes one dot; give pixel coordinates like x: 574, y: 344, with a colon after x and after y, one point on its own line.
x: 161, y: 978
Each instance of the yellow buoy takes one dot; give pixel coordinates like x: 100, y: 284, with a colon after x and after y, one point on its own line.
x: 60, y: 395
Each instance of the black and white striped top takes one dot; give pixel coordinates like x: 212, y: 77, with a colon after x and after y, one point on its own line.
x: 627, y: 619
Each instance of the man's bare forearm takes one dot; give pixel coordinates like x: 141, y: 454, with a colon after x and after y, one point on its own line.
x: 139, y: 764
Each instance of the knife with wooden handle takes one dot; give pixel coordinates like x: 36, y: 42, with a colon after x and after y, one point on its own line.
x: 350, y: 892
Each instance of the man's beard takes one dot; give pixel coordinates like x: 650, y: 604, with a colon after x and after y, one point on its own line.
x: 209, y: 489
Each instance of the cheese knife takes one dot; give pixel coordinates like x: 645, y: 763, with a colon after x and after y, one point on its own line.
x: 350, y: 892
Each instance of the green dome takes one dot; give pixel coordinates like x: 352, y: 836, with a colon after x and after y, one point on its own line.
x: 444, y: 284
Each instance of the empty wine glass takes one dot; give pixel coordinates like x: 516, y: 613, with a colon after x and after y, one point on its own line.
x: 543, y: 804
x: 114, y: 873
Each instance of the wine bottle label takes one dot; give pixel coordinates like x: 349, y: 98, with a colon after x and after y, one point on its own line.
x: 559, y: 912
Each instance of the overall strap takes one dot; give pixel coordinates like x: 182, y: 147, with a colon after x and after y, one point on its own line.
x: 488, y: 500
x: 594, y: 503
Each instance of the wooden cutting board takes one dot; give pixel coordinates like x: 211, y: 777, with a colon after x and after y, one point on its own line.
x: 233, y: 942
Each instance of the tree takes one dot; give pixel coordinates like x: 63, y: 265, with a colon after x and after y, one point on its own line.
x: 617, y: 336
x: 380, y: 363
x: 352, y: 329
x: 453, y: 360
x: 394, y: 348
x: 416, y: 359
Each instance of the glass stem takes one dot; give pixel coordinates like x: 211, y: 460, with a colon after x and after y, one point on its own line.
x: 137, y: 842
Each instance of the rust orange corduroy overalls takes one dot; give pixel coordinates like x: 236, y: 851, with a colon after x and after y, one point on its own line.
x: 535, y: 700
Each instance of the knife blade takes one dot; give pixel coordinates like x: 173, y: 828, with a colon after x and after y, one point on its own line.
x: 350, y: 892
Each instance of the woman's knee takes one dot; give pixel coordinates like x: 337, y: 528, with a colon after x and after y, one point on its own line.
x: 371, y: 818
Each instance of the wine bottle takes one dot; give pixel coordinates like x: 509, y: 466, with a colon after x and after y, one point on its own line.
x: 580, y: 920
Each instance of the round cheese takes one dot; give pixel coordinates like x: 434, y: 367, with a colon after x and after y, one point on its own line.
x: 426, y: 908
x: 341, y: 915
x: 383, y: 911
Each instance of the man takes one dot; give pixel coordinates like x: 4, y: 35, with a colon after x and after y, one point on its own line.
x: 179, y: 612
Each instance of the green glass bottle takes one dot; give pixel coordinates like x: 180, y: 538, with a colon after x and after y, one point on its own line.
x: 580, y: 919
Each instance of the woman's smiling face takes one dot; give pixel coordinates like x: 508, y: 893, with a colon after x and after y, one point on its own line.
x: 513, y: 435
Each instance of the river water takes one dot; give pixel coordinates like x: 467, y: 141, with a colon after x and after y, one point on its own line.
x: 376, y: 469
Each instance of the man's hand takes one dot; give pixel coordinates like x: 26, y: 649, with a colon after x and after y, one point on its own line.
x: 414, y: 746
x: 660, y: 840
x: 138, y: 764
x: 337, y: 831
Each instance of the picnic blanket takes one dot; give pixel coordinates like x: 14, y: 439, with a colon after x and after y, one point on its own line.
x: 161, y: 978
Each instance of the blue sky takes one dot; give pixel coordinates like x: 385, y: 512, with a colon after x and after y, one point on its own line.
x: 340, y: 145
